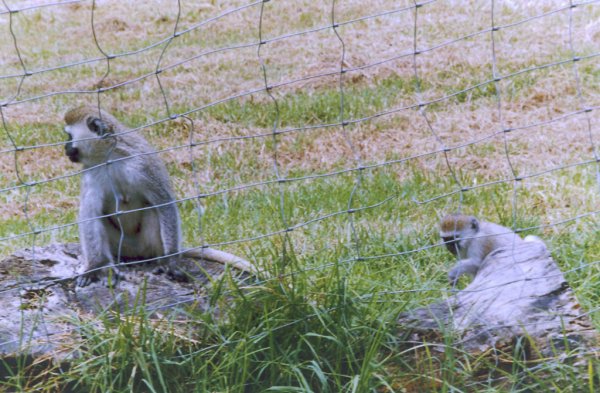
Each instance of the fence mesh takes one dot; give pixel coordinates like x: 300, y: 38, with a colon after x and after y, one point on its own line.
x: 311, y: 136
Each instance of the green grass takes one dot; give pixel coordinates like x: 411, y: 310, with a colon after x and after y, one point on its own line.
x: 319, y: 107
x: 327, y: 323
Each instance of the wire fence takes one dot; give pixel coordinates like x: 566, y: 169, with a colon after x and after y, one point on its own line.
x: 197, y: 66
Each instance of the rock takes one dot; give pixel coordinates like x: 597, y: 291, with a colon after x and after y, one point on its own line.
x: 41, y: 308
x: 519, y: 293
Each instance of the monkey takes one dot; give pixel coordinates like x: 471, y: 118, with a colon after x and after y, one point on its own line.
x: 127, y: 206
x: 472, y: 240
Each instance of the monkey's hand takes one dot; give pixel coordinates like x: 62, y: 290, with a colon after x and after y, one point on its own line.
x: 464, y: 266
x: 109, y: 276
x: 454, y: 274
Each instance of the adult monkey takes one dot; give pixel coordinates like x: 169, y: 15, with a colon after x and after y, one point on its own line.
x: 127, y: 208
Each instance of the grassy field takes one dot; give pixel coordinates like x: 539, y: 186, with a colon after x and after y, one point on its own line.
x: 332, y: 182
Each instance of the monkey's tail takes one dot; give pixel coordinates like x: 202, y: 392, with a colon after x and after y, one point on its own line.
x: 223, y: 257
x: 533, y: 238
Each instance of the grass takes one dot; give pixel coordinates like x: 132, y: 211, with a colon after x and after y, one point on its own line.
x: 329, y: 326
x: 350, y: 249
x: 320, y: 107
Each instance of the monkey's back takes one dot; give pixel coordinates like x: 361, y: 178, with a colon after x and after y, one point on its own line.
x: 499, y: 236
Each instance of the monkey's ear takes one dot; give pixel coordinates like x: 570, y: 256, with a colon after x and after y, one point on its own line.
x: 98, y: 126
x: 474, y: 224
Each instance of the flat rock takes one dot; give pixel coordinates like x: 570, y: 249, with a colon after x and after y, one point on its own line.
x: 41, y: 308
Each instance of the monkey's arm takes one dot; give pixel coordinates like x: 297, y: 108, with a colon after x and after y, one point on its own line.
x: 93, y: 236
x: 464, y: 266
x: 222, y: 257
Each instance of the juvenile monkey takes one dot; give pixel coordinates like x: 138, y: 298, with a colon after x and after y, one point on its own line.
x: 472, y: 240
x: 122, y: 175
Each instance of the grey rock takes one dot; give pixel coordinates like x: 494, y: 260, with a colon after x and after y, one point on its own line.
x: 41, y: 309
x: 519, y: 293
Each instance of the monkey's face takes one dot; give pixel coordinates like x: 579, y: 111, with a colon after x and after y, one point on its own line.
x: 70, y: 150
x: 452, y: 243
x: 457, y: 232
x: 87, y: 141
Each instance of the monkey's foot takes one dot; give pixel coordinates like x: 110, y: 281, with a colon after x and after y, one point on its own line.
x: 158, y: 270
x: 110, y: 277
x: 178, y: 275
x: 86, y: 279
x: 174, y: 274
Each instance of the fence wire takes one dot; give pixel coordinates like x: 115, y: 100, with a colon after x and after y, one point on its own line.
x: 21, y: 100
